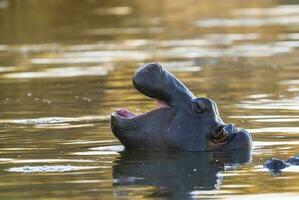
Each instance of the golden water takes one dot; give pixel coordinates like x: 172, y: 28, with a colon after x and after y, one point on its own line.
x: 66, y: 65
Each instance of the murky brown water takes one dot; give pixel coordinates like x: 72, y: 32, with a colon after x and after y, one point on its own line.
x: 66, y: 65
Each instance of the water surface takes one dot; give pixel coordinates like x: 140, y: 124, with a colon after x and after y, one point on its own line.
x: 66, y: 65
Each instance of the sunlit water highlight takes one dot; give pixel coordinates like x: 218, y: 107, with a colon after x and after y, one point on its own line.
x: 64, y: 67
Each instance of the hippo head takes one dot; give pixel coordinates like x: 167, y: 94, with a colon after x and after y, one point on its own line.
x: 181, y: 121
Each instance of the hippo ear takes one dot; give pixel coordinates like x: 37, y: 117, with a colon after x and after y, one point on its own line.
x: 156, y: 82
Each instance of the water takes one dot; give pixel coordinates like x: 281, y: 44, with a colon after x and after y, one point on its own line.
x: 66, y: 65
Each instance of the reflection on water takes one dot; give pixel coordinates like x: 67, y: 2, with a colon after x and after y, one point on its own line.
x: 175, y: 175
x: 65, y: 66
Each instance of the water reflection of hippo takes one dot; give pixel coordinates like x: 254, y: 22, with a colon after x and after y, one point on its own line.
x: 175, y: 175
x: 275, y: 165
x: 180, y: 122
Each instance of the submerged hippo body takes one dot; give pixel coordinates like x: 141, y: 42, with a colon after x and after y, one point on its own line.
x: 173, y: 175
x: 181, y: 121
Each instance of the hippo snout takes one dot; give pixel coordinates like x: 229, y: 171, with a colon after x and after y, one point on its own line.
x: 241, y: 139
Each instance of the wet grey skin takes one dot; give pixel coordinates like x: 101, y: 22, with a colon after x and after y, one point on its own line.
x: 180, y: 122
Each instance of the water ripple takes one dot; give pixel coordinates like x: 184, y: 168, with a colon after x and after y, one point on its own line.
x: 105, y: 150
x: 269, y: 118
x: 63, y: 72
x: 47, y: 169
x: 120, y: 10
x: 49, y: 161
x: 121, y: 31
x: 274, y: 11
x: 268, y: 196
x: 265, y: 104
x: 275, y: 130
x: 55, y: 120
x: 259, y: 144
x: 249, y: 22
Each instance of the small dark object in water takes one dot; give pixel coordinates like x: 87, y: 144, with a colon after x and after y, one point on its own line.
x: 181, y: 121
x: 275, y: 165
x: 293, y: 160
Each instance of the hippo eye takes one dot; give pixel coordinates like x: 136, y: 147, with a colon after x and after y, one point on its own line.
x: 199, y: 107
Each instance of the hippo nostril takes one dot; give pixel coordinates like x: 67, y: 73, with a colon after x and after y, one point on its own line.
x: 218, y: 132
x: 223, y: 132
x: 230, y: 129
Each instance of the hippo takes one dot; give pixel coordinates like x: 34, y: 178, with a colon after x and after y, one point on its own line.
x: 275, y: 165
x: 180, y: 122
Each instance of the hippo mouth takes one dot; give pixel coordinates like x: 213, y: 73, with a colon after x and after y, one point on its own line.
x: 122, y: 113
